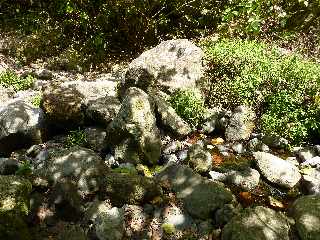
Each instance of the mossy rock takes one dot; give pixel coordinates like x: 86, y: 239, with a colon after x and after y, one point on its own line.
x: 14, y: 206
x: 124, y: 188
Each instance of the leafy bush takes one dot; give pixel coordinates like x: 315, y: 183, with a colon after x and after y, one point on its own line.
x: 36, y: 100
x: 76, y: 137
x: 283, y: 89
x: 10, y: 78
x: 189, y: 104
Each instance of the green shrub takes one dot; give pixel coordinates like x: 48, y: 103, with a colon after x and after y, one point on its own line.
x: 36, y: 100
x: 76, y: 137
x: 283, y: 89
x: 189, y: 104
x: 24, y: 169
x: 9, y: 78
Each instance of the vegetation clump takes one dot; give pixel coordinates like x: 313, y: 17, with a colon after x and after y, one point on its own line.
x: 76, y: 137
x: 282, y: 88
x: 9, y: 78
x: 189, y: 104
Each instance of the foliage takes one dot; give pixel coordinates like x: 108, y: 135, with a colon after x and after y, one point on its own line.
x: 9, y: 78
x: 24, y: 169
x: 168, y: 228
x: 282, y: 88
x: 189, y: 104
x: 36, y: 100
x: 76, y: 137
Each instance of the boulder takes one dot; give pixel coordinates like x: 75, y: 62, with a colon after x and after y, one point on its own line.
x: 123, y: 188
x: 306, y: 212
x: 8, y: 166
x: 95, y: 138
x: 277, y: 170
x: 80, y: 165
x: 172, y: 65
x: 136, y: 222
x: 72, y: 232
x: 5, y: 95
x: 241, y: 124
x: 259, y: 223
x: 14, y: 207
x: 20, y: 126
x: 201, y: 198
x: 199, y: 159
x: 246, y: 179
x: 65, y: 102
x: 136, y: 120
x: 169, y: 119
x: 311, y: 181
x: 109, y: 224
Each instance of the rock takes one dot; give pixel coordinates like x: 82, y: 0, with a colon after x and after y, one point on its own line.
x: 110, y: 161
x: 64, y: 103
x: 211, y: 123
x: 241, y: 124
x: 95, y: 138
x: 8, y: 166
x: 136, y: 120
x: 169, y: 119
x: 225, y: 214
x: 67, y: 200
x: 102, y: 110
x: 81, y: 165
x: 171, y: 158
x: 275, y: 141
x: 277, y: 170
x: 238, y: 148
x: 246, y: 179
x: 200, y: 197
x: 217, y: 176
x: 311, y: 181
x: 256, y: 145
x: 305, y: 154
x: 306, y: 212
x: 182, y: 155
x: 255, y: 224
x: 172, y: 147
x: 5, y: 95
x: 177, y: 218
x: 199, y: 159
x: 127, y: 152
x: 14, y: 207
x: 109, y: 224
x: 172, y: 65
x: 312, y: 162
x: 20, y: 126
x: 124, y: 188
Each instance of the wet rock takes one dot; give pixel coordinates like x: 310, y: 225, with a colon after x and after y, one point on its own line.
x: 81, y: 165
x: 195, y: 191
x: 241, y: 124
x: 171, y: 65
x: 8, y: 166
x: 129, y: 189
x: 14, y: 207
x: 199, y: 159
x: 20, y: 126
x: 136, y: 121
x: 109, y: 224
x: 306, y: 212
x: 95, y: 138
x: 311, y: 181
x: 169, y: 119
x: 277, y: 170
x: 255, y: 224
x: 102, y: 110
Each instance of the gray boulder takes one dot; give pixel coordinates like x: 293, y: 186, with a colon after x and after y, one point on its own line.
x: 199, y: 159
x: 136, y: 120
x: 200, y: 197
x: 305, y: 154
x: 277, y: 170
x: 173, y: 64
x: 5, y: 94
x: 109, y: 224
x: 311, y: 181
x: 8, y: 166
x: 169, y: 119
x: 20, y: 126
x: 275, y: 141
x: 306, y: 212
x: 80, y: 165
x: 95, y: 138
x: 257, y: 223
x: 246, y: 179
x: 241, y: 124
